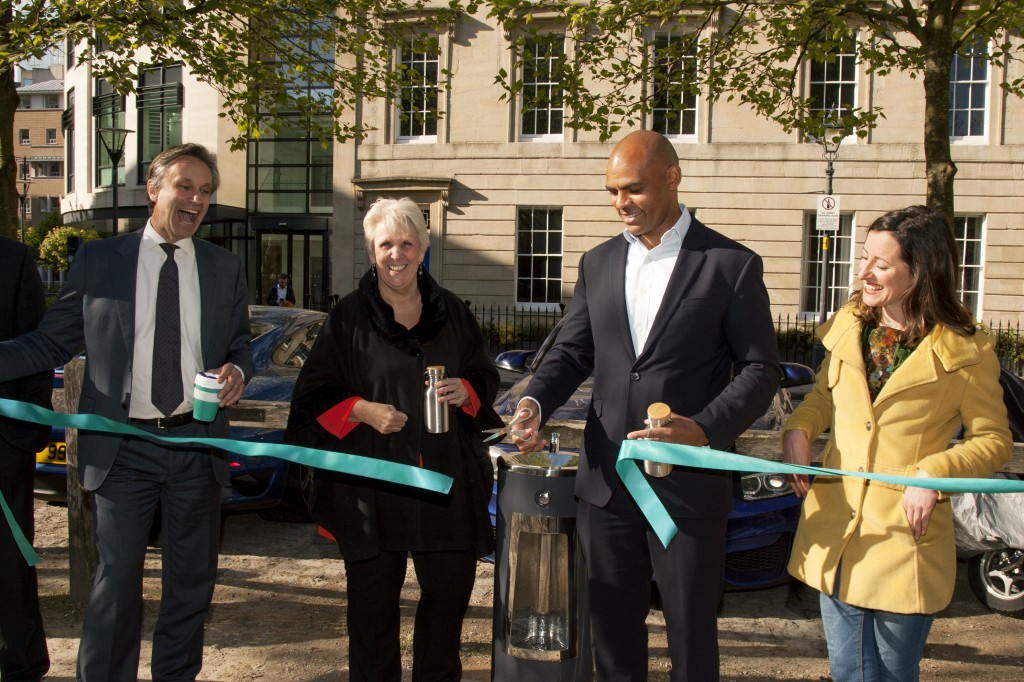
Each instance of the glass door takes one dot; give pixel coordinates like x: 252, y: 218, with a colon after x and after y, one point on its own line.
x: 300, y: 255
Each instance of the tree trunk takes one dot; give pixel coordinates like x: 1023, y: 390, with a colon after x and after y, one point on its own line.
x: 939, y: 167
x: 9, y: 205
x: 81, y: 531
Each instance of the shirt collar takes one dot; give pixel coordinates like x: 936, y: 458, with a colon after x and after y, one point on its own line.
x: 151, y: 239
x: 673, y: 239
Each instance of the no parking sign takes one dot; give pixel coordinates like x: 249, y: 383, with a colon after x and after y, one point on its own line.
x: 828, y: 214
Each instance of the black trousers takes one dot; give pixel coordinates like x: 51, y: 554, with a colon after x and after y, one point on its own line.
x: 180, y: 478
x: 622, y: 554
x: 23, y: 654
x: 374, y: 591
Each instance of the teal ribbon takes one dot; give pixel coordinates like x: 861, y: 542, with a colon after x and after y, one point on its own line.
x: 341, y: 462
x: 705, y: 458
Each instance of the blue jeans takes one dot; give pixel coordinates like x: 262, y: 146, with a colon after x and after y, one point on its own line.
x: 867, y: 645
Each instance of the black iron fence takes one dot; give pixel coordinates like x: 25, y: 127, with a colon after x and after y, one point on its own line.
x: 796, y: 343
x: 507, y: 327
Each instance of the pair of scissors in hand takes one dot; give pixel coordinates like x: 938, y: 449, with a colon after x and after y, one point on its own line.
x: 508, y: 430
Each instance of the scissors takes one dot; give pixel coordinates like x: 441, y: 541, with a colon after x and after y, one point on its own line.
x: 507, y: 430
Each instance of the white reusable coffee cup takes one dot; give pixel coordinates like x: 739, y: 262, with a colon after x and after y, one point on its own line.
x: 206, y: 394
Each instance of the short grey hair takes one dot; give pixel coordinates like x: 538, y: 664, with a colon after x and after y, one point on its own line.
x: 401, y: 215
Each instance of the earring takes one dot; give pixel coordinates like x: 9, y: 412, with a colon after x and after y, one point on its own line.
x: 373, y: 271
x: 420, y: 270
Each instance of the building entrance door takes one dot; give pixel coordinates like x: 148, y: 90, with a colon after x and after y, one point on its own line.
x: 303, y: 255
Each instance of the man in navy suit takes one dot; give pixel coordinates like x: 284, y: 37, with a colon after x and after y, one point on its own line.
x: 670, y: 311
x: 282, y: 294
x: 23, y: 654
x: 122, y: 297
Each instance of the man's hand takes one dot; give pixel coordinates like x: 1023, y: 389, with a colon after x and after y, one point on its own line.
x: 231, y: 377
x: 679, y: 429
x: 528, y: 437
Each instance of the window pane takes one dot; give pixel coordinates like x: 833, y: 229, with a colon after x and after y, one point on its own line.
x: 675, y: 110
x: 968, y: 231
x: 833, y: 84
x: 538, y: 258
x: 968, y: 83
x: 417, y: 106
x: 542, y: 89
x: 839, y: 270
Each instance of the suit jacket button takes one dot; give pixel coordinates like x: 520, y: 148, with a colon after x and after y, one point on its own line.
x: 635, y: 376
x: 867, y: 425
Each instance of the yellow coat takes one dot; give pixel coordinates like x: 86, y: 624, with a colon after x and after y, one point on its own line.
x: 946, y: 381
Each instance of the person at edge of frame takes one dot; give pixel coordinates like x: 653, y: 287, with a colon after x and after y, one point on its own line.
x: 23, y: 653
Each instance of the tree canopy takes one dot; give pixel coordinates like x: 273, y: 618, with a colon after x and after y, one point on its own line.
x: 752, y: 52
x: 272, y: 63
x: 314, y: 61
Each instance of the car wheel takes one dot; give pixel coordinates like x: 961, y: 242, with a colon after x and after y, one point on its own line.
x: 294, y: 504
x: 997, y: 579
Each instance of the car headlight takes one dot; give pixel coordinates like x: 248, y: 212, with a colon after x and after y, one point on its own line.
x: 763, y: 486
x: 496, y: 453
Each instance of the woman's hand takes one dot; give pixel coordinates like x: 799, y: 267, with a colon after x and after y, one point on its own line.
x: 382, y: 418
x: 918, y: 504
x: 452, y: 392
x: 796, y: 449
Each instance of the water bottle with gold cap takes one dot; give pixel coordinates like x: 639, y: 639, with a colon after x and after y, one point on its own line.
x: 435, y: 413
x: 658, y: 415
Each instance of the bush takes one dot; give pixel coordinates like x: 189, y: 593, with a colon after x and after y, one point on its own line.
x: 513, y: 335
x: 35, y: 235
x: 54, y: 249
x: 1010, y: 348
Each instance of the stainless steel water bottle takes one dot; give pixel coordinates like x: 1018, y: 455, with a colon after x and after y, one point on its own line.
x: 435, y: 413
x: 657, y: 416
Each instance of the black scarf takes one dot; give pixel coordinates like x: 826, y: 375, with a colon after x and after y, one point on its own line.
x: 382, y: 315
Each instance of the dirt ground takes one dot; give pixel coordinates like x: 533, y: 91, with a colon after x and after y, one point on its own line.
x: 278, y: 615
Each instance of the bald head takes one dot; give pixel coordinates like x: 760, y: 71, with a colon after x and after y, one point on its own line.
x: 644, y: 147
x: 643, y: 181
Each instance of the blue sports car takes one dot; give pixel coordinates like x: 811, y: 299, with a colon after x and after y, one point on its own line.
x: 281, y: 341
x: 764, y: 510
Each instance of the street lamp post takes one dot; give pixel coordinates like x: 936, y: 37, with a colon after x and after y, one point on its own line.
x: 113, y: 140
x: 25, y: 182
x: 830, y: 142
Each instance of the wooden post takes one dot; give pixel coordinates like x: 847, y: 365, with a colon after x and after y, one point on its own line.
x: 81, y: 530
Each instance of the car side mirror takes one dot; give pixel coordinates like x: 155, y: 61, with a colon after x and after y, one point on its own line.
x: 795, y: 374
x: 514, y: 360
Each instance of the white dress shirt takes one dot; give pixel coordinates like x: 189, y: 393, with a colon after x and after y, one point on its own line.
x: 647, y: 275
x: 151, y: 259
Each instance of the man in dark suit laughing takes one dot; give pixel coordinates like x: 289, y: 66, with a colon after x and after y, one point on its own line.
x: 151, y: 309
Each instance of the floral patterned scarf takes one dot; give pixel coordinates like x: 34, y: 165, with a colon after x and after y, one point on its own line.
x: 883, y: 353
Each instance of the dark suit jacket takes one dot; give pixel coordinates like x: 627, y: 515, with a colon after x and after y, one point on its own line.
x: 21, y: 308
x: 711, y: 355
x: 96, y: 313
x: 273, y: 298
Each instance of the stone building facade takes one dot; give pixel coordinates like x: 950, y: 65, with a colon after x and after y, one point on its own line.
x: 513, y: 198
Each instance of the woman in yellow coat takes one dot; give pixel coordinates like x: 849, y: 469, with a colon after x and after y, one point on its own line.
x: 906, y: 366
